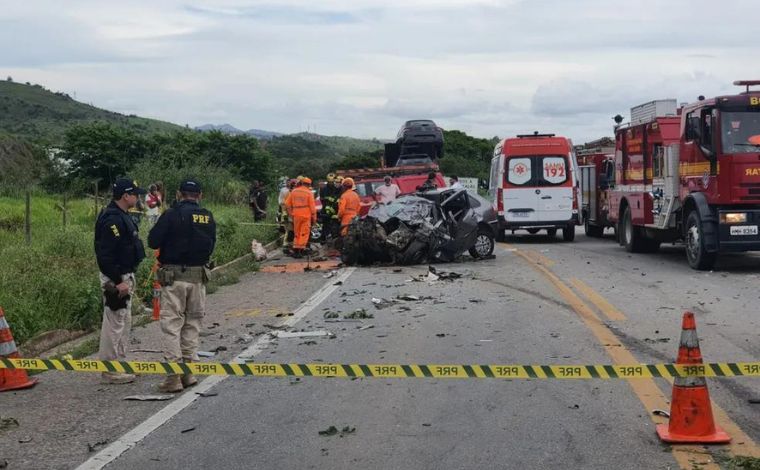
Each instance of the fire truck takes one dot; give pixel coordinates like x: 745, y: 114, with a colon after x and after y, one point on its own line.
x: 596, y: 161
x: 689, y: 173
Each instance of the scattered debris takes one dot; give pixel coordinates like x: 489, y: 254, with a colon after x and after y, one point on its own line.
x: 427, y: 425
x: 404, y: 308
x: 258, y: 250
x: 656, y: 340
x: 339, y: 283
x: 279, y: 315
x: 331, y: 315
x: 311, y: 342
x: 207, y: 394
x: 662, y: 413
x: 398, y: 270
x: 476, y: 301
x: 382, y: 303
x: 358, y: 314
x: 330, y: 274
x: 205, y: 354
x: 275, y: 327
x: 301, y: 334
x: 149, y: 397
x: 7, y: 423
x: 219, y: 349
x: 192, y: 428
x: 148, y: 350
x: 754, y: 401
x: 93, y: 447
x: 408, y: 298
x: 332, y: 431
x: 213, y: 325
x: 440, y: 335
x: 366, y: 327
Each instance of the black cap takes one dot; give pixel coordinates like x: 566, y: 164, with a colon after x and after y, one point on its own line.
x: 126, y: 185
x: 190, y: 186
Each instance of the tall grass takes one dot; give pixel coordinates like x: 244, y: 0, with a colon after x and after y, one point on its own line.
x: 53, y: 282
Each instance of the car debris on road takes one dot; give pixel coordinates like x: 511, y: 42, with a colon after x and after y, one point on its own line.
x: 433, y: 226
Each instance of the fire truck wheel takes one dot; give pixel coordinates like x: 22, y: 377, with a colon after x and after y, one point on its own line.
x: 552, y: 232
x: 568, y: 233
x: 698, y: 256
x: 592, y: 230
x: 629, y: 235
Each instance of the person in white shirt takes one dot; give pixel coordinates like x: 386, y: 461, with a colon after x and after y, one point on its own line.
x: 454, y: 183
x: 388, y: 192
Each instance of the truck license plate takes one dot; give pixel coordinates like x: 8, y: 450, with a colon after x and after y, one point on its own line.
x: 744, y: 230
x: 520, y: 214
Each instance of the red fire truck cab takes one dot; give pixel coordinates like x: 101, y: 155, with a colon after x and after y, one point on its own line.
x: 691, y: 174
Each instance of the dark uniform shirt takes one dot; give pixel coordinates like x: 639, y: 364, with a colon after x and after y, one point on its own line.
x: 118, y: 248
x: 185, y: 234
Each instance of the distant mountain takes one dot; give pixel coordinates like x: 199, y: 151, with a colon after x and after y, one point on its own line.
x: 232, y: 130
x: 37, y: 114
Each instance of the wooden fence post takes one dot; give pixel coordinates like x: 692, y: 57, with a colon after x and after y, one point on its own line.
x: 28, y: 218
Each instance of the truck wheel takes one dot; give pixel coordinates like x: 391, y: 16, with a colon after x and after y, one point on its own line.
x: 484, y: 245
x: 629, y: 235
x: 533, y: 231
x: 552, y: 232
x: 592, y: 230
x: 568, y: 233
x: 698, y: 256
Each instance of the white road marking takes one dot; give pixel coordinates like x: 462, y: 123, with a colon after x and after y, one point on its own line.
x: 133, y: 437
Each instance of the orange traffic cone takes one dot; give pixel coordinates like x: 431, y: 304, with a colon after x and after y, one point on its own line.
x: 11, y: 379
x: 691, y: 418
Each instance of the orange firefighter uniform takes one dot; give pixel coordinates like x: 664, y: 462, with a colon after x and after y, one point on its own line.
x: 348, y: 206
x: 302, y: 210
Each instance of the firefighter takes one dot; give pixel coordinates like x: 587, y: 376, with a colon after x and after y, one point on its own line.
x: 302, y: 210
x: 185, y: 236
x: 286, y: 223
x: 329, y: 195
x: 348, y: 206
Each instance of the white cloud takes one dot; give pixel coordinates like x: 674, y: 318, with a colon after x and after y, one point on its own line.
x: 361, y: 67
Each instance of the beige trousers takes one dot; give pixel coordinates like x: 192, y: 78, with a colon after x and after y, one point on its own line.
x: 114, y: 333
x: 183, y: 305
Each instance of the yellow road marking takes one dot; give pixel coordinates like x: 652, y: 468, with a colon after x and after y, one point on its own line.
x: 599, y: 302
x: 647, y: 390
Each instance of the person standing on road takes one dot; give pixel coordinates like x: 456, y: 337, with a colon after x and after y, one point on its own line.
x: 454, y: 183
x: 186, y: 236
x: 348, y: 206
x: 155, y: 204
x: 388, y: 192
x: 118, y: 250
x: 329, y: 195
x: 302, y: 209
x: 429, y: 183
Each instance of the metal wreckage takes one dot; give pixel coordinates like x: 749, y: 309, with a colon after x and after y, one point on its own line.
x: 434, y: 226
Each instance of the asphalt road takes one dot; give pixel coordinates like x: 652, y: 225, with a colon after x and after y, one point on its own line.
x: 541, y: 301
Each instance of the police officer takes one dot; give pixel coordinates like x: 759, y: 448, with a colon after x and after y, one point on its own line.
x: 118, y: 250
x: 185, y: 236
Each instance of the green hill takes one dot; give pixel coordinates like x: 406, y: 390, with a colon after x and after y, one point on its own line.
x: 39, y: 115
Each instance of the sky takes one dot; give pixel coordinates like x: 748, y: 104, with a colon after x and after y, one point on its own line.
x: 360, y: 68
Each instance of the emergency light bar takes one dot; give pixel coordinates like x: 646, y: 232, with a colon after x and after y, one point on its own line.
x: 535, y: 134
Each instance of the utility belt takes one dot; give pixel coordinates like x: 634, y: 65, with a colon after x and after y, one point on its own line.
x: 169, y: 273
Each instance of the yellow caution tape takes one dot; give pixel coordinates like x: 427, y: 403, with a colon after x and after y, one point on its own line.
x: 394, y: 371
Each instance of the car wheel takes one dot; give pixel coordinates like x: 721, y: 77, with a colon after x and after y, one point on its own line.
x: 698, y: 256
x: 533, y: 231
x: 552, y: 232
x: 484, y: 245
x: 568, y: 233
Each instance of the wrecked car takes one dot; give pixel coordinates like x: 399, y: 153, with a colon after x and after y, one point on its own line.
x: 438, y: 225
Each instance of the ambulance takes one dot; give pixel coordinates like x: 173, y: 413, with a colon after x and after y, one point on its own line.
x: 534, y: 184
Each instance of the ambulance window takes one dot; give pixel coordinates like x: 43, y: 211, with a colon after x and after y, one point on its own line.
x: 554, y: 170
x: 520, y: 171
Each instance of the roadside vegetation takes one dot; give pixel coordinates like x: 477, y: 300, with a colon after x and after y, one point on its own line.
x: 52, y: 283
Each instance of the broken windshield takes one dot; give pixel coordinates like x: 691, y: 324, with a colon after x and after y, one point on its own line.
x: 741, y: 131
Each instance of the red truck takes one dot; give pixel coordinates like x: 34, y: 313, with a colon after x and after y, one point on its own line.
x: 597, y: 168
x: 689, y: 173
